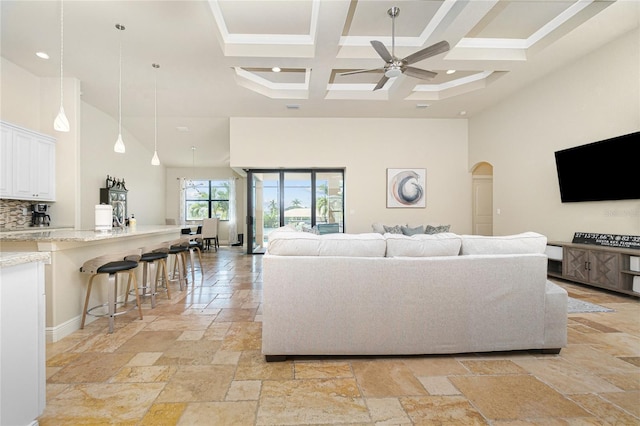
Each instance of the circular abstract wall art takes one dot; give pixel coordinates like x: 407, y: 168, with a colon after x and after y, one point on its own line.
x: 406, y: 187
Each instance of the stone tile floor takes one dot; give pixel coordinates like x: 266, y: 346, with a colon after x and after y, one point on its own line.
x: 195, y: 360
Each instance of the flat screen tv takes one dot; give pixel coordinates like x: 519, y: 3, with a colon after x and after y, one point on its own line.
x: 604, y: 170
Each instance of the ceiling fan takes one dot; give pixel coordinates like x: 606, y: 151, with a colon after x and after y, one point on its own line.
x: 393, y: 66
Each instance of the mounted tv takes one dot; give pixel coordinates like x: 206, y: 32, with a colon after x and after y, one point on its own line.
x: 604, y: 170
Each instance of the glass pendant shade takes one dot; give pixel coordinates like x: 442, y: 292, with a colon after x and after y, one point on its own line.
x: 61, y: 124
x: 155, y: 161
x: 119, y: 146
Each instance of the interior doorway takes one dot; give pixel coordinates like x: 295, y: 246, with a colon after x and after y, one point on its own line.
x: 482, y: 218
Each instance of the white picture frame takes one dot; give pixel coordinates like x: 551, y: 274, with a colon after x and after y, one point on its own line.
x: 406, y: 188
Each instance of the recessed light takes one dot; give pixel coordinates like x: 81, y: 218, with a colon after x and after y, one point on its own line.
x: 276, y: 69
x: 182, y: 128
x: 450, y: 71
x: 422, y: 106
x: 293, y: 106
x: 42, y: 55
x: 463, y: 112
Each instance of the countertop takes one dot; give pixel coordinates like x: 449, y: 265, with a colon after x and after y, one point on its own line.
x: 8, y: 259
x: 54, y: 235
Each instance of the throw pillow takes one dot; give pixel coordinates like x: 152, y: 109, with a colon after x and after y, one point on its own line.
x: 396, y: 229
x: 437, y: 229
x: 312, y: 230
x: 406, y: 230
x: 377, y: 227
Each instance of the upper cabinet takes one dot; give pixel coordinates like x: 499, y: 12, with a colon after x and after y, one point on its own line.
x: 28, y: 164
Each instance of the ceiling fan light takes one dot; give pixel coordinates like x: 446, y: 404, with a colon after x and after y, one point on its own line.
x: 61, y: 124
x: 155, y: 161
x: 119, y: 146
x: 392, y: 72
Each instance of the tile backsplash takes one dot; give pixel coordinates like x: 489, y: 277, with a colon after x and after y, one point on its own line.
x: 11, y: 214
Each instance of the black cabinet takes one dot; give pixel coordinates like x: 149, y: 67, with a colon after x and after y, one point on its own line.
x: 118, y: 199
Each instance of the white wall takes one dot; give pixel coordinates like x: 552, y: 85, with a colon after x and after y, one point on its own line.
x: 595, y: 98
x: 84, y: 156
x: 33, y: 103
x: 20, y: 96
x: 146, y: 183
x: 366, y: 148
x: 172, y: 194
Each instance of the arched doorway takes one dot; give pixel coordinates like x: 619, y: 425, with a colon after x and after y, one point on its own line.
x: 482, y: 190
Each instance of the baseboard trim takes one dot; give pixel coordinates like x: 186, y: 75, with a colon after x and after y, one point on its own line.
x: 53, y: 334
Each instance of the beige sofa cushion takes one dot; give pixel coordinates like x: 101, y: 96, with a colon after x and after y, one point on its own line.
x: 350, y: 245
x: 284, y: 243
x: 527, y: 242
x: 423, y: 245
x: 306, y: 244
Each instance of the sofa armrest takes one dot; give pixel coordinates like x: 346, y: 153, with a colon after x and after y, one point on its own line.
x: 555, y: 313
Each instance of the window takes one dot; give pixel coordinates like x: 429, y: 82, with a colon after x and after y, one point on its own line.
x: 207, y: 198
x: 308, y: 199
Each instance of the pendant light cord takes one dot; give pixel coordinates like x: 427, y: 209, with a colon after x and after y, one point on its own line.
x: 61, y: 46
x: 120, y: 91
x: 155, y: 111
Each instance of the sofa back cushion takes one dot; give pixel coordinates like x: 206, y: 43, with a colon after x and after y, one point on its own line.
x: 423, y: 245
x: 350, y: 245
x: 527, y: 242
x: 346, y: 245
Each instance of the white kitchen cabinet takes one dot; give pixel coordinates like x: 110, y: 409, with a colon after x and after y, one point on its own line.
x: 6, y: 162
x: 29, y: 168
x: 22, y: 341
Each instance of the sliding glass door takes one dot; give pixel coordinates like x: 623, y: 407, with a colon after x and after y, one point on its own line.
x: 308, y: 199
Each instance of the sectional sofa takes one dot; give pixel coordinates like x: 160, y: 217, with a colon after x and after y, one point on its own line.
x: 372, y: 294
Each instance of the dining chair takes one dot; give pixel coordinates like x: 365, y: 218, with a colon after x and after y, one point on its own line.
x: 210, y: 232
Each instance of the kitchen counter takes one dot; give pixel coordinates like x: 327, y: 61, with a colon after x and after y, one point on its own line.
x: 32, y: 229
x: 8, y: 259
x: 66, y: 234
x: 65, y: 285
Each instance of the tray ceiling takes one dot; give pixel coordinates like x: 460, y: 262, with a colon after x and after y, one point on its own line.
x: 217, y: 57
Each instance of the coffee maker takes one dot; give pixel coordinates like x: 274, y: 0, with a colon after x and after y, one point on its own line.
x: 39, y: 216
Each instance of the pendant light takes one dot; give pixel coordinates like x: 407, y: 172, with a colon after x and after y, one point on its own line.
x: 155, y: 161
x: 61, y: 124
x: 119, y: 146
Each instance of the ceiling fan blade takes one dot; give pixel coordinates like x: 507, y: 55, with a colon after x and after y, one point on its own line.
x: 382, y: 50
x: 427, y: 52
x: 381, y: 83
x: 362, y: 71
x: 419, y: 73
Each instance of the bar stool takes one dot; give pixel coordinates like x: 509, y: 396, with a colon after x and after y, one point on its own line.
x: 179, y: 249
x: 153, y: 260
x: 112, y: 265
x: 195, y: 246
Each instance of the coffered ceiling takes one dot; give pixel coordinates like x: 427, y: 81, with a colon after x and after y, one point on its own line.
x: 216, y: 58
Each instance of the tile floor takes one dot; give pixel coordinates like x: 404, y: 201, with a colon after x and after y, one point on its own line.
x: 195, y: 360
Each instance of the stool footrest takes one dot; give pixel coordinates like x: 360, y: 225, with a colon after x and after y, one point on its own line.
x: 106, y: 314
